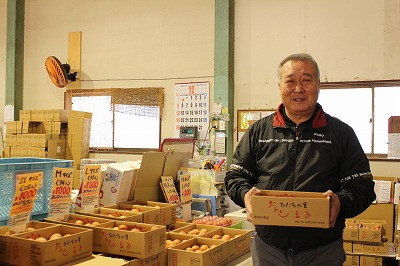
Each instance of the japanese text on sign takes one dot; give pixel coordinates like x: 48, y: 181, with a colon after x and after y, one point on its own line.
x: 27, y: 186
x: 185, y: 188
x: 91, y: 185
x: 169, y: 189
x: 61, y: 191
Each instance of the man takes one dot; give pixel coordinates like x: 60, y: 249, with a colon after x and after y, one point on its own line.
x: 301, y: 148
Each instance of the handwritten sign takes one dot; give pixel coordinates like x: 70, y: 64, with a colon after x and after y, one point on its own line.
x: 291, y: 208
x: 169, y: 188
x: 185, y: 188
x: 60, y: 198
x: 26, y: 189
x: 90, y: 186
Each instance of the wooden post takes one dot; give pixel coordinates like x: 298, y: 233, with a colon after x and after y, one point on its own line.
x: 74, y: 57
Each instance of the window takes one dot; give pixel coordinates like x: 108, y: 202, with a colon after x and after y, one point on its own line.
x: 122, y: 119
x: 366, y: 107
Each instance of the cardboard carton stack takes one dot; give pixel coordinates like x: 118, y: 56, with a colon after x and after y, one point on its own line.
x: 78, y: 140
x: 369, y: 238
x: 38, y: 133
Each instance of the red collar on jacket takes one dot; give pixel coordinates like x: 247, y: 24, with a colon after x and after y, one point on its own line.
x: 318, y: 120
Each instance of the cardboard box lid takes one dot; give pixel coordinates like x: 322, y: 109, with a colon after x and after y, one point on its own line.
x: 177, y: 151
x: 147, y: 185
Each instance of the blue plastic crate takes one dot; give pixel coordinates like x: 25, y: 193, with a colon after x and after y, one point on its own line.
x: 9, y: 167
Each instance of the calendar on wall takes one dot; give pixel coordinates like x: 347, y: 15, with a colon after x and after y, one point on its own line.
x: 192, y: 107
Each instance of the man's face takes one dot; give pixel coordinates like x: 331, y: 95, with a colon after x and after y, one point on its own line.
x: 299, y: 89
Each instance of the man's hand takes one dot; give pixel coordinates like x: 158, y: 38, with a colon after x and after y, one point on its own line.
x: 247, y: 202
x: 335, y: 207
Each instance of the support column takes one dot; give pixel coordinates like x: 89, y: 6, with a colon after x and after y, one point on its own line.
x: 15, y: 55
x: 223, y: 64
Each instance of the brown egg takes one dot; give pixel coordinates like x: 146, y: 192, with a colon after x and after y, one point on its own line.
x: 135, y: 230
x: 213, y: 246
x: 11, y: 232
x: 169, y: 242
x: 41, y: 239
x: 203, y: 247
x: 135, y: 210
x: 55, y: 236
x: 226, y: 237
x: 88, y: 224
x: 115, y: 228
x: 122, y: 217
x: 195, y: 247
x: 216, y: 237
x: 78, y: 222
x: 154, y: 228
x: 176, y: 241
x: 95, y: 223
x: 198, y: 251
x: 67, y: 235
x: 30, y: 229
x: 203, y: 231
x: 122, y: 227
x: 189, y: 249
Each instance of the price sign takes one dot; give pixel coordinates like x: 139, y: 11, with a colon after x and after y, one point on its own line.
x: 60, y: 198
x: 186, y: 189
x: 171, y: 194
x: 26, y: 189
x: 90, y: 186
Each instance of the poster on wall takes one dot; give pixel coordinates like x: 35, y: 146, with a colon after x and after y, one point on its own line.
x: 192, y: 107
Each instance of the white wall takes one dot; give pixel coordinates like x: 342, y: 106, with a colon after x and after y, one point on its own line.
x: 125, y: 43
x: 162, y: 42
x: 351, y: 40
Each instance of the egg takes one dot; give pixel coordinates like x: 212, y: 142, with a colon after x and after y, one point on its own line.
x: 55, y: 236
x: 67, y: 235
x: 176, y: 241
x: 189, y: 249
x: 216, y: 237
x: 122, y: 227
x: 195, y: 247
x: 88, y: 224
x: 226, y: 237
x: 78, y: 222
x: 154, y: 228
x: 115, y: 228
x: 213, y: 246
x: 198, y: 251
x: 135, y: 230
x: 169, y: 241
x: 203, y: 247
x: 11, y: 232
x: 30, y: 229
x: 41, y: 239
x: 135, y: 210
x: 95, y: 223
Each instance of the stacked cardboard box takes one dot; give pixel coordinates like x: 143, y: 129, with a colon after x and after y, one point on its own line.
x: 38, y: 133
x: 369, y: 238
x: 78, y: 140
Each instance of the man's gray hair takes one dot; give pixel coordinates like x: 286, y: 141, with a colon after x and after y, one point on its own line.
x: 299, y: 57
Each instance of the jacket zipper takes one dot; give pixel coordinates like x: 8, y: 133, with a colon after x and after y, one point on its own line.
x: 296, y: 132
